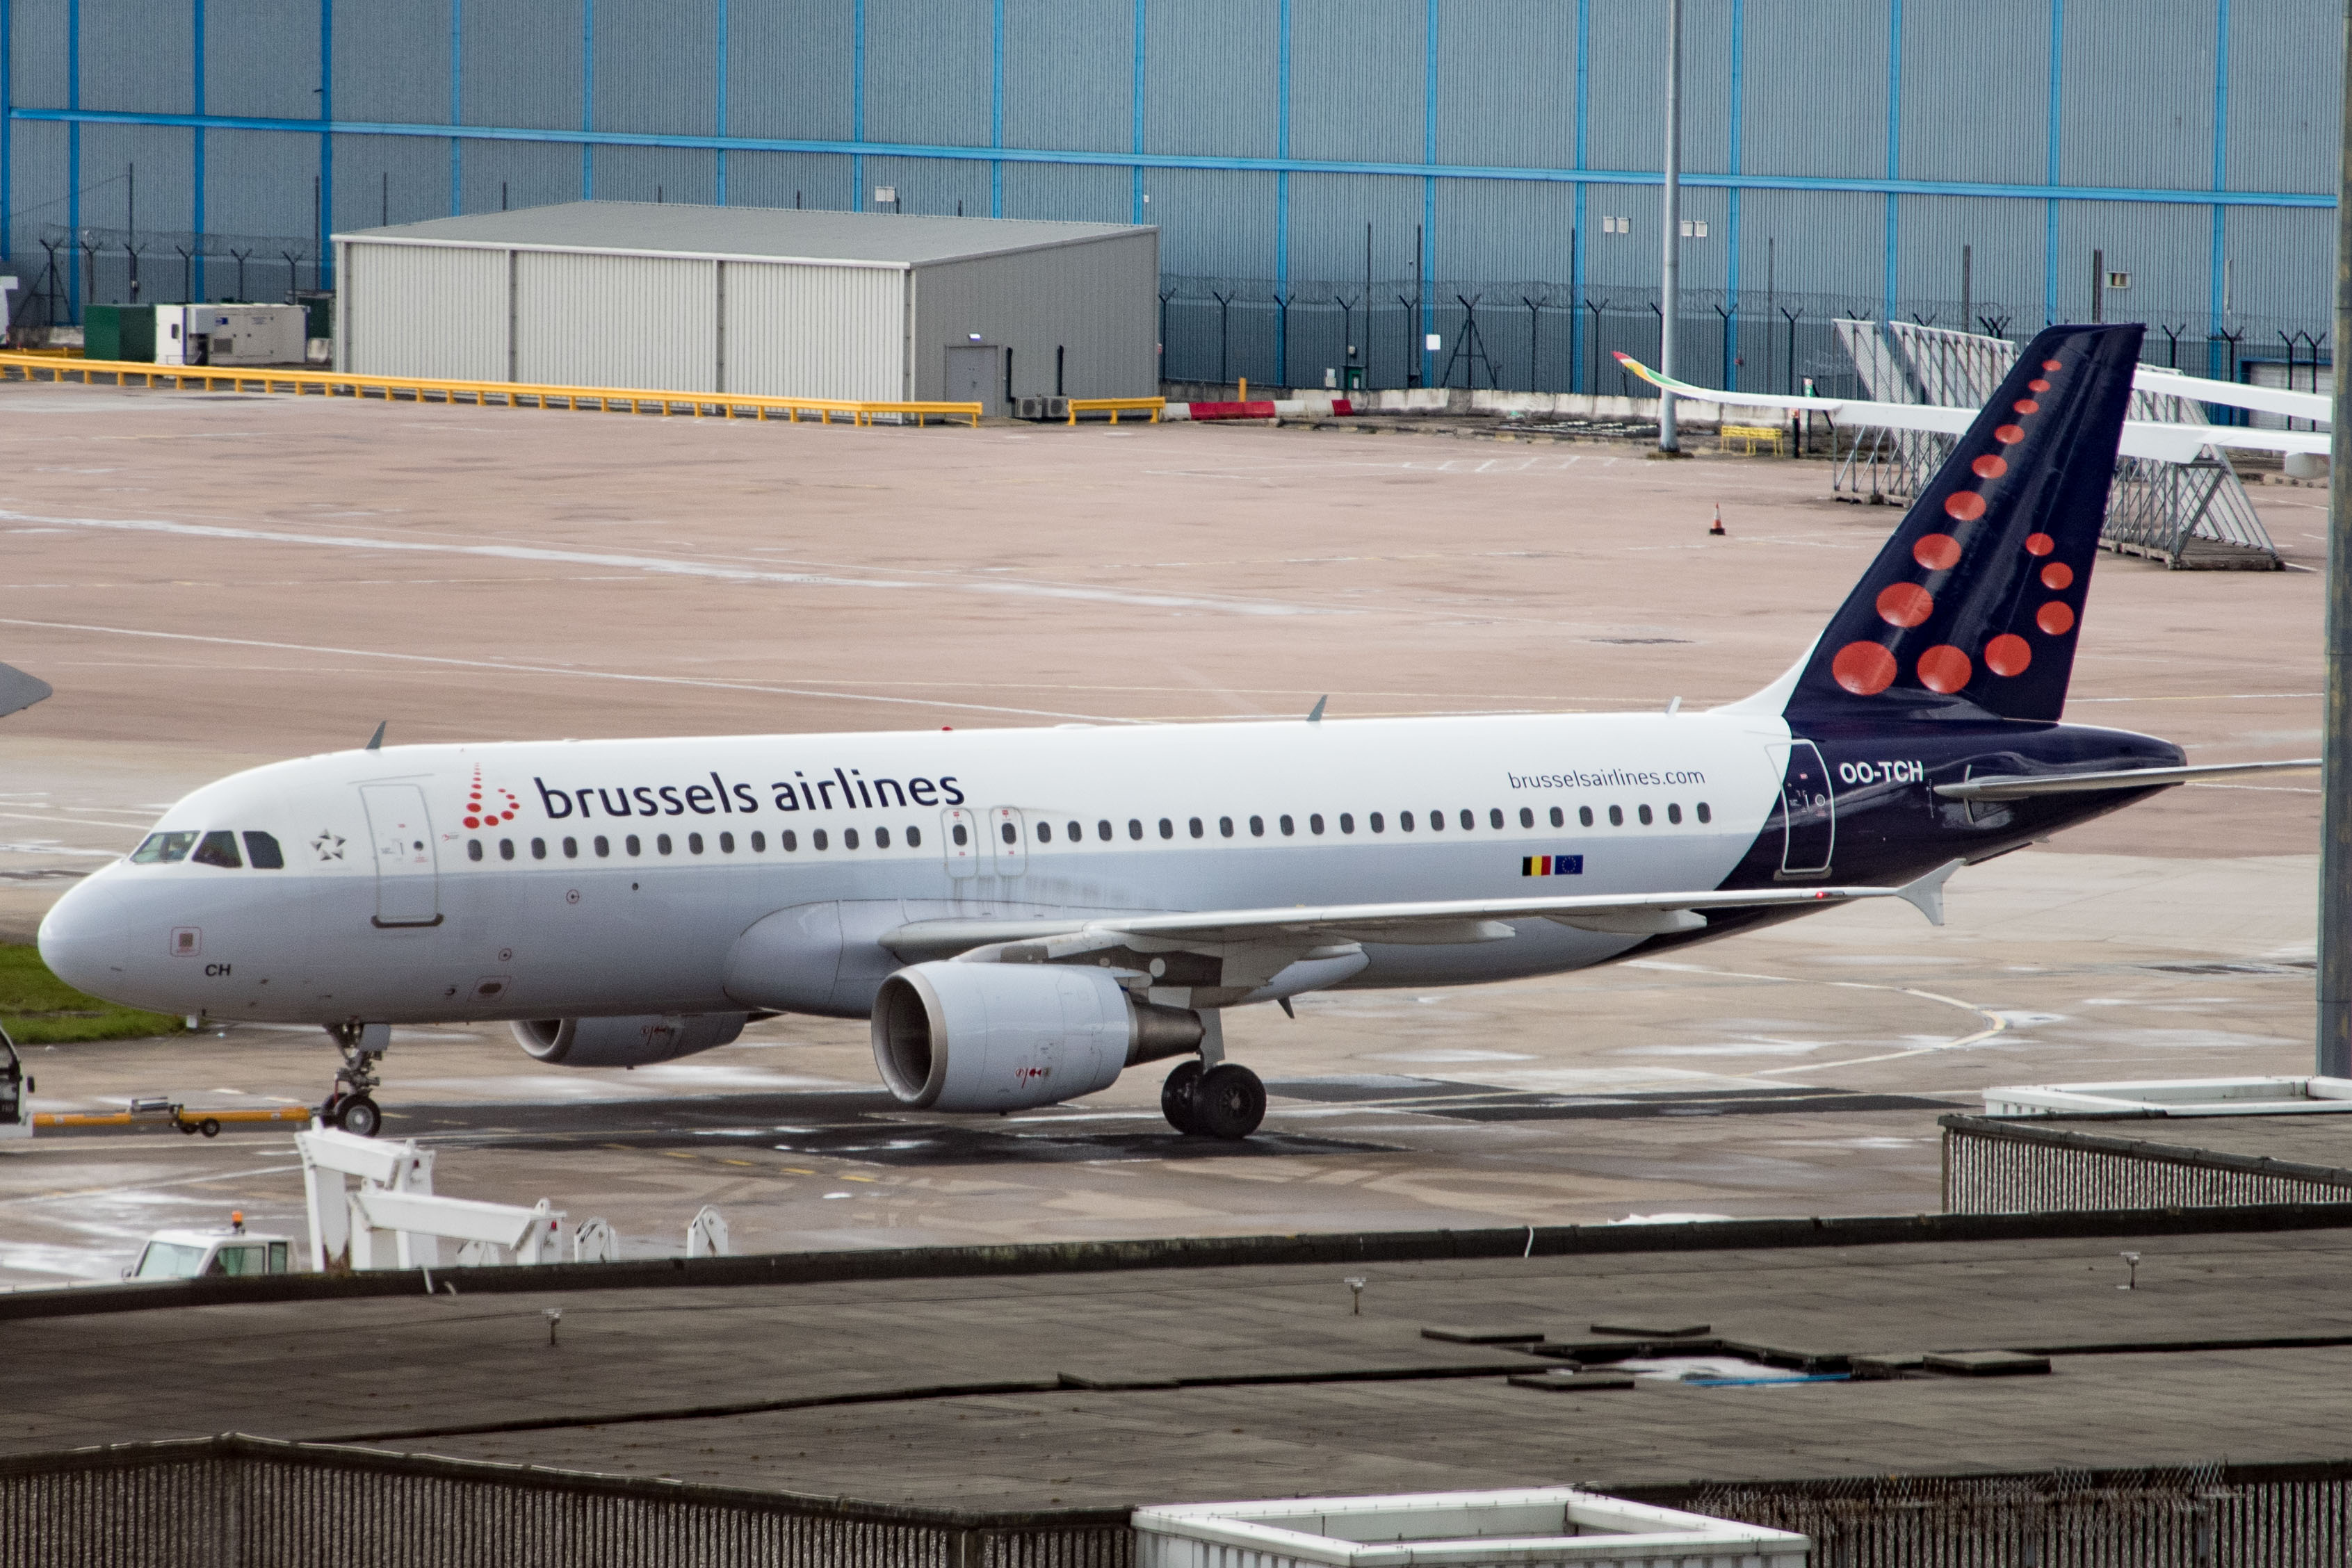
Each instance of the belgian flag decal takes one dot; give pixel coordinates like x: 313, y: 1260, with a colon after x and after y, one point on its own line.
x: 1552, y: 865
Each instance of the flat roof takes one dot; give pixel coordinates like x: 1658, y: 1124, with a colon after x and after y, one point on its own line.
x: 769, y: 234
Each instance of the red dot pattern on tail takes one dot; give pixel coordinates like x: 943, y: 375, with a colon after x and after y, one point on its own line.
x: 1906, y: 605
x: 2056, y: 619
x: 1866, y: 669
x: 2008, y: 654
x: 1944, y: 668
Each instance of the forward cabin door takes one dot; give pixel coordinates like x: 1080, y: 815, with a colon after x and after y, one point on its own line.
x: 1808, y: 811
x: 407, y: 883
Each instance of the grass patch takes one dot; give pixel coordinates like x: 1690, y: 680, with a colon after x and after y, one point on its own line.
x: 39, y: 1008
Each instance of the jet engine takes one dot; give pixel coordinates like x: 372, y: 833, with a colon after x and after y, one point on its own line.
x: 952, y: 1036
x: 625, y: 1042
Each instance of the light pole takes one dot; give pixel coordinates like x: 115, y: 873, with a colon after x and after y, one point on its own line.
x: 2335, y: 1053
x: 1670, y: 285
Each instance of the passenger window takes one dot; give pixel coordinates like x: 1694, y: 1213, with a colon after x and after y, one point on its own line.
x: 1644, y: 811
x: 881, y: 838
x: 661, y: 843
x: 1703, y: 815
x: 571, y: 849
x: 1226, y: 826
x: 506, y: 849
x: 1167, y: 829
x: 1347, y: 822
x: 1528, y: 818
x: 603, y: 846
x: 1495, y: 818
x: 262, y: 852
x: 1404, y: 822
x: 759, y: 843
x: 1077, y: 834
x: 694, y: 844
x: 817, y: 839
x: 631, y: 844
x: 1673, y: 813
x: 1374, y: 820
x: 1102, y: 829
x: 1437, y: 821
x: 1196, y: 826
x: 1134, y: 827
x: 848, y: 839
x: 1470, y: 821
x: 914, y: 838
x: 1044, y: 833
x: 473, y: 850
x: 220, y: 848
x: 788, y: 840
x: 1558, y: 820
x: 538, y: 848
x: 163, y: 849
x: 726, y: 844
x: 1315, y: 823
x: 1012, y: 834
x: 1616, y: 816
x: 961, y: 836
x: 1287, y: 826
x: 1584, y: 816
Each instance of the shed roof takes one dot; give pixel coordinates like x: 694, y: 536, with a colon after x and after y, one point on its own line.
x: 643, y: 228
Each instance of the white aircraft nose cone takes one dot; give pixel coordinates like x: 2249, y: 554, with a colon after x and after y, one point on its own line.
x: 84, y: 940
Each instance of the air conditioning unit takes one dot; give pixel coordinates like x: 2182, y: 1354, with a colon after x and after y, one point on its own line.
x: 1057, y: 408
x: 1029, y: 408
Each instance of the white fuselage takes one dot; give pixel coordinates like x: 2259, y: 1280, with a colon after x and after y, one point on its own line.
x: 588, y: 878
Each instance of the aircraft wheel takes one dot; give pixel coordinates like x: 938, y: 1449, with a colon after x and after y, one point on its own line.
x: 209, y: 1128
x: 1176, y: 1096
x: 1229, y: 1101
x: 358, y: 1116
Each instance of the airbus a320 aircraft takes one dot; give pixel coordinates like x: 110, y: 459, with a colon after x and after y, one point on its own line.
x: 1026, y: 913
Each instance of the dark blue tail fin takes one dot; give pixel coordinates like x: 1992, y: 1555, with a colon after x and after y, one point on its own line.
x: 1972, y: 608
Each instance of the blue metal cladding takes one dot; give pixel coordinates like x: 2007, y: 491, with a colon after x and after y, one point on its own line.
x: 392, y: 63
x: 934, y: 186
x: 656, y: 174
x: 1517, y: 58
x: 1828, y: 243
x: 1214, y: 86
x: 519, y: 174
x: 788, y: 75
x: 2004, y: 243
x: 816, y: 181
x: 521, y: 64
x: 1625, y: 108
x: 1067, y: 192
x: 1214, y: 223
x: 261, y: 58
x: 1508, y: 230
x: 135, y: 55
x: 1962, y: 120
x: 2138, y: 105
x: 2163, y: 251
x: 384, y: 180
x: 1069, y: 76
x: 2283, y: 258
x: 1357, y: 78
x: 36, y: 44
x: 657, y: 67
x: 107, y: 152
x: 1829, y: 115
x: 928, y: 72
x: 2285, y: 110
x: 257, y: 183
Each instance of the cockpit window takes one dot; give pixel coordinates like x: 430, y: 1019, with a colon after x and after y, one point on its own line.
x: 218, y: 849
x: 263, y: 852
x: 163, y: 849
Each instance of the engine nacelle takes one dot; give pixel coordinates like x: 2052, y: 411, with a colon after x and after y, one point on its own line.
x: 1006, y: 1036
x: 625, y: 1042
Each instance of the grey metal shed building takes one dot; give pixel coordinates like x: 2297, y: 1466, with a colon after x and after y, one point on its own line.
x: 757, y: 301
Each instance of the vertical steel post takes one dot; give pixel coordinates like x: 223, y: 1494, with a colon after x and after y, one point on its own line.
x: 1670, y: 284
x: 2335, y: 1053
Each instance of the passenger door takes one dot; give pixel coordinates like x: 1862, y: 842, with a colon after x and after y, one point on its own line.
x: 960, y: 841
x: 1808, y: 811
x: 407, y: 884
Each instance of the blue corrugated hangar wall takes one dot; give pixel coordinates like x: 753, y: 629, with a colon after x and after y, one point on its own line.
x: 1482, y: 162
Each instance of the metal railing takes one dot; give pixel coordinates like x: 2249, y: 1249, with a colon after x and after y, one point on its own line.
x: 15, y: 365
x: 241, y: 1499
x: 1114, y: 406
x: 2000, y: 1166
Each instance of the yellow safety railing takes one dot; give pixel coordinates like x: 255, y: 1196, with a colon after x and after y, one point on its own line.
x: 1748, y: 437
x: 1113, y: 406
x: 480, y: 395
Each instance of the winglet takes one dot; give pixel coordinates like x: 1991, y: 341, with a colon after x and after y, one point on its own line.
x: 1316, y: 715
x: 1926, y: 893
x: 19, y: 690
x: 375, y: 741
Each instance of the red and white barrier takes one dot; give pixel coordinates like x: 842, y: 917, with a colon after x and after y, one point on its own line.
x: 1287, y: 408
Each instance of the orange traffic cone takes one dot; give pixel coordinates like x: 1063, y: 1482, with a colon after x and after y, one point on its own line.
x: 1716, y: 531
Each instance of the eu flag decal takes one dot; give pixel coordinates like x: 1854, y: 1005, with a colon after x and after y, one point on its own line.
x: 1552, y: 865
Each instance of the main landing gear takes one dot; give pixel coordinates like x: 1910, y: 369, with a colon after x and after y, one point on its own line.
x: 1222, y: 1101
x: 350, y: 1105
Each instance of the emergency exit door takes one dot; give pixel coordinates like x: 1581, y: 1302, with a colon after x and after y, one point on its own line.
x: 407, y: 885
x: 976, y: 374
x: 1808, y: 811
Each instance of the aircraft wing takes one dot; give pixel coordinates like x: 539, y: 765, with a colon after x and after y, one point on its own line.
x: 18, y: 690
x: 2236, y: 394
x: 2022, y: 786
x: 2141, y: 438
x: 1411, y: 925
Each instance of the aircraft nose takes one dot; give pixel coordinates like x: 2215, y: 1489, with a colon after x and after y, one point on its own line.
x: 84, y: 939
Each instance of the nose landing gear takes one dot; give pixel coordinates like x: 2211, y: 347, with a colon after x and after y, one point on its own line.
x: 349, y: 1105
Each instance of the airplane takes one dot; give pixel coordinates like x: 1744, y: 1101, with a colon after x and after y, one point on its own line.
x: 2157, y: 439
x: 1022, y: 915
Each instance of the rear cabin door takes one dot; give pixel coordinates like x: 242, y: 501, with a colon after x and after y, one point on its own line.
x: 407, y: 885
x: 1808, y: 812
x: 960, y: 838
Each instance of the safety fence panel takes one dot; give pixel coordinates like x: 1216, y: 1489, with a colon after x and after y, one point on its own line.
x: 1995, y: 1165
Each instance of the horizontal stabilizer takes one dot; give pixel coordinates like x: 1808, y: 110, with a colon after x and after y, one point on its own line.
x: 2024, y: 786
x: 18, y: 690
